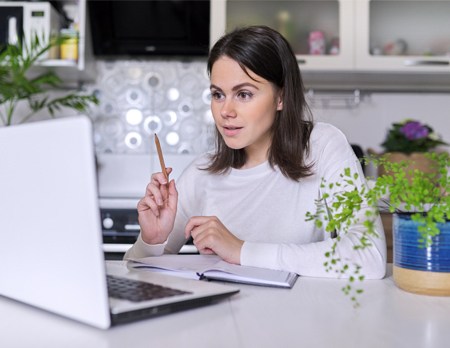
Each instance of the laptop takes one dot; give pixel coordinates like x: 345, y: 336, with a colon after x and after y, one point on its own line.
x: 51, y: 238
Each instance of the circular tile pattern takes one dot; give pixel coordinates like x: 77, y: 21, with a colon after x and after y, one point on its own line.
x: 140, y: 98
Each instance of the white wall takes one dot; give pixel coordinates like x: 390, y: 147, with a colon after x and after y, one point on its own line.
x: 368, y: 123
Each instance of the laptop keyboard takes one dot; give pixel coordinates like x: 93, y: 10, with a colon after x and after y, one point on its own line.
x: 137, y: 291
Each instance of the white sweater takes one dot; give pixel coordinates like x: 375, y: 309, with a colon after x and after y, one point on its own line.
x: 267, y: 211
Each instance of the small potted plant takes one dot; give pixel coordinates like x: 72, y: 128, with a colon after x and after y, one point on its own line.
x: 18, y: 85
x: 420, y: 202
x: 410, y: 140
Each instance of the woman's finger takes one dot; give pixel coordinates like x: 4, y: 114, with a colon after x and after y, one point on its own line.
x: 154, y: 193
x: 146, y: 203
x: 194, y: 222
x: 159, y: 177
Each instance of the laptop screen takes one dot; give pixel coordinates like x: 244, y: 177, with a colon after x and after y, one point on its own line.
x: 50, y: 225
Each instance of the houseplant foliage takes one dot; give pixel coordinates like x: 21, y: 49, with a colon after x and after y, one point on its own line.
x: 402, y: 189
x: 411, y: 136
x: 16, y: 84
x: 409, y: 141
x: 336, y: 212
x: 424, y: 194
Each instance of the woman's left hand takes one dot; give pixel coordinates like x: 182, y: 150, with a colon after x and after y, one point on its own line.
x: 212, y: 237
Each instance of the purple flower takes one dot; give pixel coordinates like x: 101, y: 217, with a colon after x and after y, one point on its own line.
x: 414, y: 130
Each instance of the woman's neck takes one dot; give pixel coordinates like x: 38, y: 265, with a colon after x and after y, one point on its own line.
x: 255, y: 156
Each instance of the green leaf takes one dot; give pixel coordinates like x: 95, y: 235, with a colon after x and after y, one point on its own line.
x: 17, y: 84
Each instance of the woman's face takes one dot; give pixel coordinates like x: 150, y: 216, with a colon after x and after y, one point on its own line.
x: 243, y: 107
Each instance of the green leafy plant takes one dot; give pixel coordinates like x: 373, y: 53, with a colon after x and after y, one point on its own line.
x: 411, y: 136
x: 424, y: 194
x: 17, y: 85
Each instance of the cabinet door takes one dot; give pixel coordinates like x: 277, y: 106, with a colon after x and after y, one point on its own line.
x: 403, y: 35
x: 320, y: 32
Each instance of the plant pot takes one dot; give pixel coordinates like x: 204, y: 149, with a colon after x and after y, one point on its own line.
x: 417, y: 268
x: 418, y: 160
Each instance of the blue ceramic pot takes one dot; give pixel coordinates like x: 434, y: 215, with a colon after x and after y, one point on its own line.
x: 419, y: 268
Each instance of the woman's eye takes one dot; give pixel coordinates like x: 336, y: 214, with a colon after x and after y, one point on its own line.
x: 244, y: 95
x: 216, y: 95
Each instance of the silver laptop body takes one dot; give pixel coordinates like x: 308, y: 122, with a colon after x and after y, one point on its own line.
x: 50, y: 235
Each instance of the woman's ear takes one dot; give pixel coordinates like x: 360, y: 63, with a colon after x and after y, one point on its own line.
x: 280, y: 102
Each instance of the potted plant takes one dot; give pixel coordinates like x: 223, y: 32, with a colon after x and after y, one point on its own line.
x: 409, y: 140
x: 17, y: 85
x: 420, y: 202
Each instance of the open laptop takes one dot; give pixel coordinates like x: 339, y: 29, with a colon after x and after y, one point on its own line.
x: 51, y: 238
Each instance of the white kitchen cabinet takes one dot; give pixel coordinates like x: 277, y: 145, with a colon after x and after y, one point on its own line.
x: 80, y: 15
x: 74, y: 72
x: 411, y: 36
x: 402, y: 35
x: 296, y: 20
x: 45, y: 20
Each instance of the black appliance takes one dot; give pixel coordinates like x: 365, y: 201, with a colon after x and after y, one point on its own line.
x: 6, y: 24
x: 121, y: 228
x: 150, y: 27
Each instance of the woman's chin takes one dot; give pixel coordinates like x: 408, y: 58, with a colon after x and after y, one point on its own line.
x: 233, y: 145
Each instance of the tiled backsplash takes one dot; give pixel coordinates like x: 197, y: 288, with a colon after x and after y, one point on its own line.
x: 140, y: 98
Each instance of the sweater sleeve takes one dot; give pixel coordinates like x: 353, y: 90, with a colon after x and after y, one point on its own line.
x: 172, y: 245
x: 308, y: 259
x: 141, y: 249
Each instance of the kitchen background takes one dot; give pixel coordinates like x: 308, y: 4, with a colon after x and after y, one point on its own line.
x: 139, y: 98
x: 171, y: 98
x: 366, y: 64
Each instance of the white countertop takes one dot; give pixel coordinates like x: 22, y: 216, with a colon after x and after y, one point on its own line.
x: 315, y: 313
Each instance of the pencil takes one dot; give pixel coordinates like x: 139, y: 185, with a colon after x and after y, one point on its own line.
x: 161, y: 158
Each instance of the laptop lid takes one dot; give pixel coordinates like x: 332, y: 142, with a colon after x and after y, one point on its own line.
x: 51, y: 238
x: 51, y: 256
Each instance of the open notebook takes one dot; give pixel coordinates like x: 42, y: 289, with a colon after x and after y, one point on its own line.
x: 212, y: 267
x: 51, y: 238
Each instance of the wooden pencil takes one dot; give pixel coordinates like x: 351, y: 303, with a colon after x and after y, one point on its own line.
x: 161, y: 158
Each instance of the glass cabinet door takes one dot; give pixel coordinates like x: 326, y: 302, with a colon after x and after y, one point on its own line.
x: 320, y: 32
x: 403, y: 35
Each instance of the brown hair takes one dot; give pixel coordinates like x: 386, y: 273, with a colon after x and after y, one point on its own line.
x: 267, y: 54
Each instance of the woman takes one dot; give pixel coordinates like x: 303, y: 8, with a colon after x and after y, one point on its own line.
x: 247, y: 200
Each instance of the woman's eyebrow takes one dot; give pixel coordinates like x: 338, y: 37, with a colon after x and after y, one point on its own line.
x: 237, y: 87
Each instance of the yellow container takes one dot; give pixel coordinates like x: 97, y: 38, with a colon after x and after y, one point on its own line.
x: 69, y: 47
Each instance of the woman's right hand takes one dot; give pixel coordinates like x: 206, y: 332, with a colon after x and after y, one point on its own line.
x: 157, y: 209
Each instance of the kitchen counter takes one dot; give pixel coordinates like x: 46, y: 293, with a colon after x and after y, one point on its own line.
x: 315, y: 313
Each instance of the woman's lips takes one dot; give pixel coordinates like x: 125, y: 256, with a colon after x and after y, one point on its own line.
x: 230, y: 131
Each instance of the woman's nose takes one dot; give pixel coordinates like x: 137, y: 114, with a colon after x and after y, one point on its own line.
x: 228, y: 109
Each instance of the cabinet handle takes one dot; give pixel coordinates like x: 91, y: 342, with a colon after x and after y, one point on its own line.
x: 301, y: 61
x: 425, y: 62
